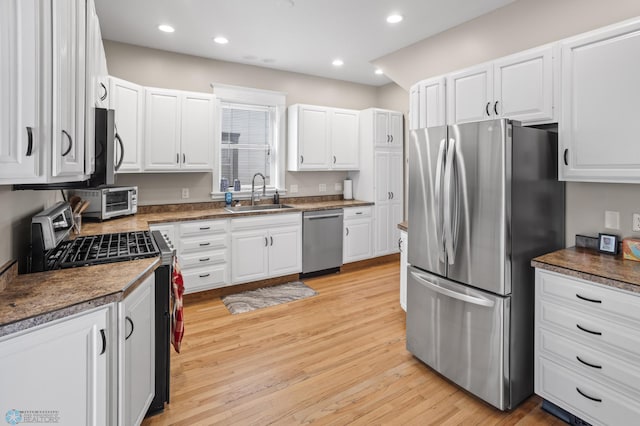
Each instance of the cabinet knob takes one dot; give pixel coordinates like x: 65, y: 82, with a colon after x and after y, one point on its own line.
x: 64, y: 132
x: 29, y: 141
x: 487, y: 108
x: 177, y: 158
x: 347, y: 229
x: 301, y: 159
x: 184, y: 158
x: 119, y: 139
x: 266, y: 242
x: 391, y: 138
x: 495, y: 107
x: 566, y: 159
x: 130, y: 321
x: 104, y: 88
x: 334, y: 159
x: 271, y: 240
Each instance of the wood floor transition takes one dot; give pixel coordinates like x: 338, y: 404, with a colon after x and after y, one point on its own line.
x: 337, y: 358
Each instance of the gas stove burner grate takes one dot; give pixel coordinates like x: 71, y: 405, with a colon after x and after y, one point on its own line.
x: 105, y: 248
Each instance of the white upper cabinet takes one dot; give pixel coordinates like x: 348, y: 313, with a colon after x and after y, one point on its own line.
x: 20, y: 132
x: 431, y: 103
x: 68, y: 64
x: 387, y: 131
x: 599, y: 123
x: 519, y: 87
x: 178, y: 131
x: 127, y: 99
x: 414, y: 107
x: 470, y: 94
x: 322, y: 138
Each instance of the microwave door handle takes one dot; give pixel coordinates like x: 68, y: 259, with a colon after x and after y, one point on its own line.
x: 481, y: 301
x: 119, y: 139
x: 448, y: 177
x: 438, y: 198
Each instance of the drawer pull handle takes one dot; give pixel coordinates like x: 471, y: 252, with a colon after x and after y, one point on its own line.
x: 204, y: 275
x: 204, y: 244
x: 206, y: 259
x: 587, y: 299
x: 104, y: 341
x: 587, y: 396
x: 358, y: 212
x: 597, y: 333
x: 205, y: 228
x: 589, y: 364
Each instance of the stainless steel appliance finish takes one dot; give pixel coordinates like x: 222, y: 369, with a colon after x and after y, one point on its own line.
x: 322, y: 240
x: 109, y: 202
x: 483, y: 201
x: 53, y: 225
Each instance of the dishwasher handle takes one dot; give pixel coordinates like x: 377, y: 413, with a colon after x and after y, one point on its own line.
x: 324, y: 216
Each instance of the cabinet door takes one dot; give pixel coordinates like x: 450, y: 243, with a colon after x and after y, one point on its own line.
x: 381, y: 172
x: 285, y: 251
x: 197, y: 129
x: 414, y: 107
x: 432, y: 103
x: 344, y: 140
x: 127, y: 99
x: 137, y: 325
x: 382, y: 234
x: 68, y: 87
x: 381, y: 135
x: 313, y: 138
x: 396, y: 130
x: 599, y: 124
x: 162, y: 129
x: 395, y: 176
x: 60, y: 367
x: 249, y: 256
x: 470, y: 94
x: 19, y: 131
x: 357, y: 240
x: 523, y: 86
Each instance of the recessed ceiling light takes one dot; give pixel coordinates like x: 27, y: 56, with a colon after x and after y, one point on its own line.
x: 394, y: 19
x: 379, y: 71
x: 166, y: 28
x: 221, y: 40
x: 337, y: 63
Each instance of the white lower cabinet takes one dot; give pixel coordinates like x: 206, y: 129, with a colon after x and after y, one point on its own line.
x: 60, y: 368
x: 358, y: 234
x: 587, y: 348
x: 136, y: 353
x: 265, y: 246
x: 404, y: 263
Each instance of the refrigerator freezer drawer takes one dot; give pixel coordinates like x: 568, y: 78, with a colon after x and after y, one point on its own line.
x: 461, y: 333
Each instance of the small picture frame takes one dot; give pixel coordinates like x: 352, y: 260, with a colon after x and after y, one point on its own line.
x: 608, y: 243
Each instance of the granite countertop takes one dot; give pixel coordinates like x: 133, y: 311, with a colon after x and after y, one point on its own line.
x: 34, y: 299
x: 141, y: 221
x: 403, y: 226
x: 591, y: 265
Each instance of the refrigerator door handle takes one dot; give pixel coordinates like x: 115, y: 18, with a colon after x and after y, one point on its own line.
x: 448, y: 202
x: 451, y: 293
x: 438, y: 198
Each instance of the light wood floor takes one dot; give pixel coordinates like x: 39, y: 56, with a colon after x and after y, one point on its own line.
x: 337, y: 358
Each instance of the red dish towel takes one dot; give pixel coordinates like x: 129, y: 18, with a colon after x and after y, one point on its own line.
x: 177, y: 318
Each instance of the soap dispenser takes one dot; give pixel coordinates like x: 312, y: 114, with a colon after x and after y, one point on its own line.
x: 276, y: 198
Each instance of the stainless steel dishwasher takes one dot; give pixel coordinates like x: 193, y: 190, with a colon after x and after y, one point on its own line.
x: 321, y: 241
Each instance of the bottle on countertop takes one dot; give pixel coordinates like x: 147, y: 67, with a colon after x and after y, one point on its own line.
x: 276, y: 198
x: 236, y: 185
x: 228, y: 198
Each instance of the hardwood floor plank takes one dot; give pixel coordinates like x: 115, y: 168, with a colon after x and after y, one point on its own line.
x: 336, y: 358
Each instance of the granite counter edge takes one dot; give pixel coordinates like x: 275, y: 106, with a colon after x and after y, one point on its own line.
x: 586, y: 276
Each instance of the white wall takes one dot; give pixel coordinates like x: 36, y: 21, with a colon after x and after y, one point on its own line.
x: 157, y: 68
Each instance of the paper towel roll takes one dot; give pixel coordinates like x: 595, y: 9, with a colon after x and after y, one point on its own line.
x: 347, y: 185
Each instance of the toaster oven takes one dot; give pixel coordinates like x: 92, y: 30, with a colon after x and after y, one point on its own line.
x: 109, y: 202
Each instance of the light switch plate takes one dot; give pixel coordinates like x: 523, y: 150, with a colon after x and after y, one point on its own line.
x: 636, y: 222
x: 337, y: 186
x: 185, y: 193
x: 611, y: 220
x: 322, y: 187
x: 293, y: 189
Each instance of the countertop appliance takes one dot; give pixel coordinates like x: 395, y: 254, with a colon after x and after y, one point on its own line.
x: 109, y: 202
x: 484, y: 199
x: 321, y: 241
x: 52, y: 249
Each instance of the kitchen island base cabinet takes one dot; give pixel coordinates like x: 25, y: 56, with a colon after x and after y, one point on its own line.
x: 137, y: 353
x: 59, y: 369
x: 587, y: 348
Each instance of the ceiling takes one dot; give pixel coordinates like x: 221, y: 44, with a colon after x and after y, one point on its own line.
x: 302, y: 36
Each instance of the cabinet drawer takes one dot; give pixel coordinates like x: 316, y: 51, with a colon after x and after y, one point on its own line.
x: 203, y: 243
x: 589, y: 297
x: 203, y: 259
x: 572, y: 391
x: 597, y: 365
x: 207, y: 278
x: 202, y: 227
x: 357, y: 212
x: 614, y: 338
x: 266, y: 221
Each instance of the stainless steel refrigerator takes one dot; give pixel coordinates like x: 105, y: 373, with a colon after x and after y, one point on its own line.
x: 484, y: 199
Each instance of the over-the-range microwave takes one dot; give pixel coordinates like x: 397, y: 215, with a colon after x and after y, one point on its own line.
x: 109, y: 202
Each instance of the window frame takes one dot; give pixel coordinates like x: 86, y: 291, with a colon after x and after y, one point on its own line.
x: 251, y: 97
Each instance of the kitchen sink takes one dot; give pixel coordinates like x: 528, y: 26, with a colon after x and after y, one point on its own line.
x: 257, y: 208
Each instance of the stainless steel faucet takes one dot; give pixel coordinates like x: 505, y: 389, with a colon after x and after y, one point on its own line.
x: 253, y: 185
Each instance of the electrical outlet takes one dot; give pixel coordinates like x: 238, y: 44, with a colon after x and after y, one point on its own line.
x: 636, y: 222
x: 185, y: 193
x: 293, y: 189
x: 611, y: 220
x: 337, y: 186
x: 322, y: 187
